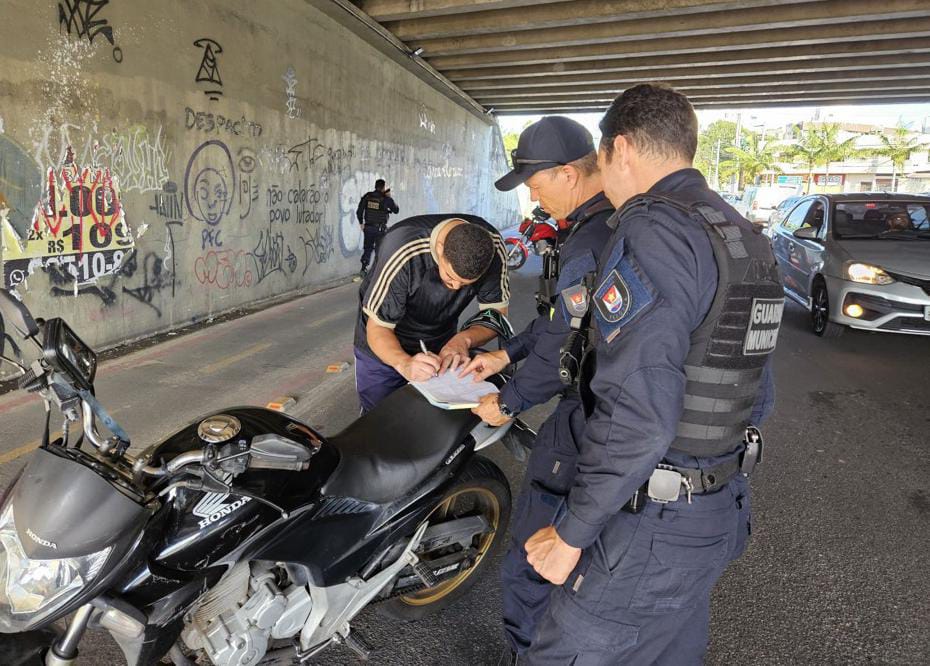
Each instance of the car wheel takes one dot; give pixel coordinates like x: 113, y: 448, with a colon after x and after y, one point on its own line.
x: 820, y: 313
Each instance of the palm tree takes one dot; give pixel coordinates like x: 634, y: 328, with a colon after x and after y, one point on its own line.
x: 834, y: 150
x: 806, y: 151
x: 753, y: 160
x: 819, y: 146
x: 896, y: 149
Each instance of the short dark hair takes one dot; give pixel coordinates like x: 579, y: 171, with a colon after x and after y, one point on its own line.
x: 379, y: 184
x: 659, y: 121
x: 469, y: 249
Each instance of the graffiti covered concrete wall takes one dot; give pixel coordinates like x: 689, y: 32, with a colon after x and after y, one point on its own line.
x: 161, y: 163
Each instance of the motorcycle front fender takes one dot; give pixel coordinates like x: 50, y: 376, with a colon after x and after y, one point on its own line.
x: 25, y: 649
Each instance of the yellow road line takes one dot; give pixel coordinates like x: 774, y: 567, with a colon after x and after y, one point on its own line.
x: 10, y: 456
x: 232, y: 360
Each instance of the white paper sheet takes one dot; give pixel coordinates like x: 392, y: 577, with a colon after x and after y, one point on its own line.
x: 452, y: 391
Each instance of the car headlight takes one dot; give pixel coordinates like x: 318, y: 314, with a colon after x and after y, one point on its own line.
x: 867, y: 274
x: 33, y: 589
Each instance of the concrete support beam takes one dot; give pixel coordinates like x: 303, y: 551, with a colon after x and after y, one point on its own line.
x: 828, y: 15
x: 561, y: 14
x: 710, y: 90
x: 396, y: 10
x: 904, y: 29
x: 851, y: 69
x: 776, y: 58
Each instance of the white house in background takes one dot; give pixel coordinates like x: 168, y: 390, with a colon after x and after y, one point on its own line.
x: 860, y: 175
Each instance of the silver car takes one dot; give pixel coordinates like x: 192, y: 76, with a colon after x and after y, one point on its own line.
x: 858, y: 260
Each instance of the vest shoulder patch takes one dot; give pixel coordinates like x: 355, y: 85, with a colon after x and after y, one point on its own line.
x: 571, y: 283
x: 623, y: 293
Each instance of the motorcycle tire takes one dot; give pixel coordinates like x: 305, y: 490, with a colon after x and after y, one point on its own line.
x: 516, y: 254
x: 483, y: 481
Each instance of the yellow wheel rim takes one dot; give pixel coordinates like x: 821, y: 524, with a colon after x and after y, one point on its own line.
x: 491, y: 510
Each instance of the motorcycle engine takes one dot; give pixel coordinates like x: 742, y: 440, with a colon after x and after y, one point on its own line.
x: 233, y: 622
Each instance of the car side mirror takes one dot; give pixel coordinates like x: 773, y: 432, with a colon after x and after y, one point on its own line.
x: 807, y: 233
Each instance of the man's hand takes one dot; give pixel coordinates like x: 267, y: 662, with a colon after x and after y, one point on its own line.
x: 454, y: 353
x: 552, y: 558
x: 489, y: 409
x: 485, y: 365
x: 419, y: 368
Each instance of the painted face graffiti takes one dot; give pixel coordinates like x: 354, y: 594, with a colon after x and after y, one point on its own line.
x: 210, y: 183
x: 212, y: 195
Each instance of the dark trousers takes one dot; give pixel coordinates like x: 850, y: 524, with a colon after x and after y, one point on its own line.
x: 374, y: 380
x: 641, y: 593
x: 373, y: 235
x: 550, y: 473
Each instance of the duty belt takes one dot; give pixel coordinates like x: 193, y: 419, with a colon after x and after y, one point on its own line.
x: 666, y: 482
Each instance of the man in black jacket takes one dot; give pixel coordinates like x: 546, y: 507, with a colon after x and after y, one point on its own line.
x: 372, y: 213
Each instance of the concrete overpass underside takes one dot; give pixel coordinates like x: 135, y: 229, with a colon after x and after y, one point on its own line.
x: 541, y: 56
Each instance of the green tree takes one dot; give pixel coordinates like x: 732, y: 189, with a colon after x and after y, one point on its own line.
x: 510, y: 142
x: 719, y: 135
x: 819, y: 145
x: 895, y: 148
x: 753, y: 159
x: 834, y: 150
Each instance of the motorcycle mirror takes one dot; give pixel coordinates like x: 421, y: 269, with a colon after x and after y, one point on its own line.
x: 15, y: 313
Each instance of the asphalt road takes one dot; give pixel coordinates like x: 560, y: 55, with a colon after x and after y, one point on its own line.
x: 837, y: 569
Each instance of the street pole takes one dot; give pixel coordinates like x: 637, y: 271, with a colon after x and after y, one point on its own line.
x: 717, y: 168
x: 739, y: 145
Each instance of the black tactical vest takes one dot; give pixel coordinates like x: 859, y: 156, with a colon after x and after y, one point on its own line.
x: 375, y: 212
x: 731, y: 346
x: 547, y: 295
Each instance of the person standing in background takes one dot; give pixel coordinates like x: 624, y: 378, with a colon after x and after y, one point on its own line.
x: 372, y: 213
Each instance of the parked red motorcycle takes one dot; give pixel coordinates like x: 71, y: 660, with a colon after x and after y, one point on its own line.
x: 539, y: 233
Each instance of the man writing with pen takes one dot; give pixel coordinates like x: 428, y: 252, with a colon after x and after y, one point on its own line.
x: 428, y: 270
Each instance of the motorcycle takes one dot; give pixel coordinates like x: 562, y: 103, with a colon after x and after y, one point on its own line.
x: 538, y: 232
x: 246, y: 537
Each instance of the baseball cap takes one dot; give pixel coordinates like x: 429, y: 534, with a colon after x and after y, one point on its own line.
x: 547, y: 143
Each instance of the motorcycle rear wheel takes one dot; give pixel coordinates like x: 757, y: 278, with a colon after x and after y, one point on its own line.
x: 516, y: 253
x: 482, y: 488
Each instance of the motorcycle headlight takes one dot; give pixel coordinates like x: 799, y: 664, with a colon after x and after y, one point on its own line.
x: 33, y: 589
x: 867, y: 274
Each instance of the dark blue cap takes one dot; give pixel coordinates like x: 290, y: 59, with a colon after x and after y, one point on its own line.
x: 547, y: 143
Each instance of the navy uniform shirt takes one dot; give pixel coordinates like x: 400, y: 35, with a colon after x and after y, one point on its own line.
x: 384, y: 205
x: 537, y: 380
x: 639, y: 383
x: 404, y: 291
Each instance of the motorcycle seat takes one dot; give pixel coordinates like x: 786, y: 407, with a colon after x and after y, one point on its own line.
x: 395, y: 447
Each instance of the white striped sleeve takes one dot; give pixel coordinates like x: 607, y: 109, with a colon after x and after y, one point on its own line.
x: 495, y: 288
x: 386, y: 300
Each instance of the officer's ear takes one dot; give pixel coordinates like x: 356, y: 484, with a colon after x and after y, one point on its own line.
x: 623, y: 153
x: 571, y: 175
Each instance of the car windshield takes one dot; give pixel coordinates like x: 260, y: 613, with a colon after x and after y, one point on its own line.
x: 886, y: 220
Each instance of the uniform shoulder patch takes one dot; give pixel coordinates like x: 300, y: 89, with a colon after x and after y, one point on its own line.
x: 623, y: 293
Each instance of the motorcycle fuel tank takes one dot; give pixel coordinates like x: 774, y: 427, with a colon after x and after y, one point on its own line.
x: 203, y: 528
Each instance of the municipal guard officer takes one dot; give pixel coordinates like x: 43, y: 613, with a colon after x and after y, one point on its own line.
x: 682, y: 314
x: 557, y: 160
x: 372, y: 213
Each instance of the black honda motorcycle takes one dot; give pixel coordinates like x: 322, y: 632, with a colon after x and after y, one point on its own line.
x: 245, y: 538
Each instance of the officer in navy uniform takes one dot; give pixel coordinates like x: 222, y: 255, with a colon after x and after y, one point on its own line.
x: 556, y: 158
x: 682, y: 314
x: 372, y: 213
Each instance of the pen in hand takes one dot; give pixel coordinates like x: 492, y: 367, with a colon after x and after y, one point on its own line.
x: 426, y: 351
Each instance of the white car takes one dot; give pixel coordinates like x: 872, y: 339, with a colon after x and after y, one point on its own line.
x: 759, y: 202
x: 858, y: 260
